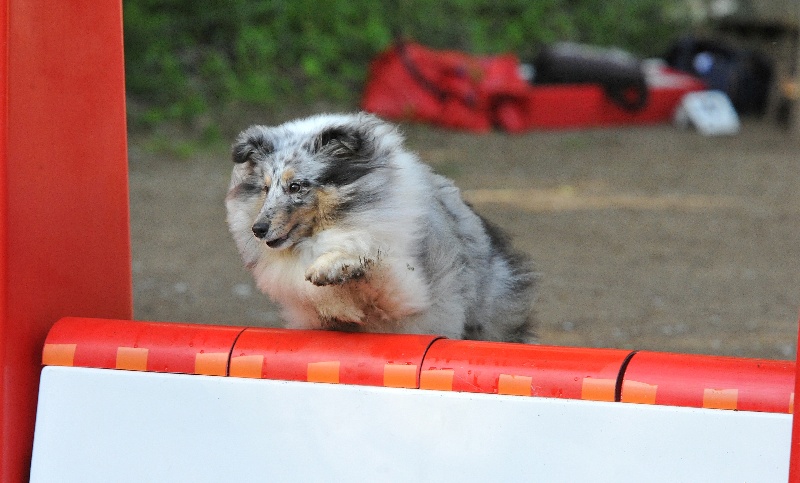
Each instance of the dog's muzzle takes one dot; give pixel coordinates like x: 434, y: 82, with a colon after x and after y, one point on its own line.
x: 261, y: 229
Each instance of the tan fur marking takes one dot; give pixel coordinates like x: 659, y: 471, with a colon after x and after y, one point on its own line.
x: 267, y: 180
x: 303, y: 218
x: 328, y: 200
x: 287, y: 176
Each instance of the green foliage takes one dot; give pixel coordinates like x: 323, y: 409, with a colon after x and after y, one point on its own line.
x: 185, y: 58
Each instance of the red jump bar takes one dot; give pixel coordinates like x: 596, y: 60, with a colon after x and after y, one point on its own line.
x: 425, y: 362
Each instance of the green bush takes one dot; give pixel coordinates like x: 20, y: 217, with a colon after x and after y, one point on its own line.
x: 186, y: 59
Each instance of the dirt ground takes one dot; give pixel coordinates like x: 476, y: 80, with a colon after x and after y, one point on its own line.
x: 648, y: 238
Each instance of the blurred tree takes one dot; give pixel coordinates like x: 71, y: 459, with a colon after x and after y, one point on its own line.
x: 186, y: 58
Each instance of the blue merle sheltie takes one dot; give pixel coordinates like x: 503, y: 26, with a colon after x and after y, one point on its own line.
x: 347, y: 230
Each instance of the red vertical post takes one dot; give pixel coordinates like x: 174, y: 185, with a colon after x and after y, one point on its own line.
x: 3, y: 220
x: 64, y: 232
x: 794, y: 459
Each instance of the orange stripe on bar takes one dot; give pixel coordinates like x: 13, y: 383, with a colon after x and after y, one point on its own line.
x: 514, y: 385
x: 58, y: 354
x: 247, y: 366
x: 132, y: 358
x: 720, y: 398
x: 594, y: 389
x: 323, y: 372
x: 437, y: 379
x: 211, y: 363
x: 400, y: 375
x: 791, y: 403
x: 639, y: 392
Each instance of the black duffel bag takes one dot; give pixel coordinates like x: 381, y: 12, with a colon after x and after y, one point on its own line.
x: 619, y: 72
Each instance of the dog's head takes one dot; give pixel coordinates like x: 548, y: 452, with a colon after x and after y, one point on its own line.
x: 291, y: 181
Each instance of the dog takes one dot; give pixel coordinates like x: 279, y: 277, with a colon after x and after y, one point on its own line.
x: 347, y: 230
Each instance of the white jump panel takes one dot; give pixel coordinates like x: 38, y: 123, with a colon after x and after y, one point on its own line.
x: 105, y: 425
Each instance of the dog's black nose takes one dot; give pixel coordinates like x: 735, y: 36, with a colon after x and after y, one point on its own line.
x: 260, y: 229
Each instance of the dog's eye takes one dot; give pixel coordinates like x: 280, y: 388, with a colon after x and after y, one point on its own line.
x: 294, y: 188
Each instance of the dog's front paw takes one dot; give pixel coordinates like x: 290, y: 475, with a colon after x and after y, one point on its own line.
x: 336, y: 269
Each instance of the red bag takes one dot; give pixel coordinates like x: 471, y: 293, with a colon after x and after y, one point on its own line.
x: 412, y: 83
x: 452, y: 89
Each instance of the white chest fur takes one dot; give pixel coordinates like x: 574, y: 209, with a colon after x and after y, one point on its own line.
x: 390, y: 288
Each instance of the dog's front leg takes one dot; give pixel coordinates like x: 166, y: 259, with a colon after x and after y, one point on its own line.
x: 336, y: 268
x: 342, y: 255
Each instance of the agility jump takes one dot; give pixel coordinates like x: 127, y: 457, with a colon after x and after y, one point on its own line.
x: 136, y: 400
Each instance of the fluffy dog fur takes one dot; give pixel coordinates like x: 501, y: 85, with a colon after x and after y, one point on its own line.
x: 347, y: 230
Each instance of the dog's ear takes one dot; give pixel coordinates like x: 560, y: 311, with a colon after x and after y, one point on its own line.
x: 340, y: 142
x: 348, y: 153
x: 248, y: 144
